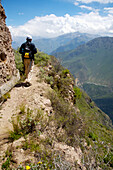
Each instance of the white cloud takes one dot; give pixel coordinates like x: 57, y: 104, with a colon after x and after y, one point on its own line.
x: 100, y: 1
x: 76, y: 3
x: 86, y: 7
x: 52, y: 26
x: 109, y: 10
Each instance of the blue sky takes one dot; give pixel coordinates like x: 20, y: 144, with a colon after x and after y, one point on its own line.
x: 50, y: 18
x: 19, y: 12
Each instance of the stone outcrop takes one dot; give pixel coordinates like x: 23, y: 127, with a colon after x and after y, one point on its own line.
x: 8, y: 72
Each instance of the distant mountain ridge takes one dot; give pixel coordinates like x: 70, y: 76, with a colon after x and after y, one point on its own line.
x: 48, y: 45
x: 91, y: 62
x: 51, y: 44
x: 74, y: 43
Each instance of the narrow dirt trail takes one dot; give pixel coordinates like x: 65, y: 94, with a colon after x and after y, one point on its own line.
x: 33, y: 97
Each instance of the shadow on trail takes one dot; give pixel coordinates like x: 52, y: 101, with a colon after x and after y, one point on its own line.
x: 22, y: 84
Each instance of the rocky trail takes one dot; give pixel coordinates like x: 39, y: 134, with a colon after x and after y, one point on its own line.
x: 33, y: 96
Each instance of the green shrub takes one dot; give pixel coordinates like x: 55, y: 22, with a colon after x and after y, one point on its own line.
x: 109, y: 159
x: 92, y: 136
x: 77, y: 93
x: 18, y: 61
x: 65, y: 72
x: 61, y: 84
x: 25, y: 123
x: 49, y: 80
x: 41, y: 59
x: 56, y: 64
x: 5, y: 97
x: 65, y: 118
x: 16, y: 133
x: 6, y: 164
x: 22, y: 109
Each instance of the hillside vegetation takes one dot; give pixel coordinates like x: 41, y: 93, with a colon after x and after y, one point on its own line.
x: 75, y: 135
x: 102, y: 96
x: 92, y: 64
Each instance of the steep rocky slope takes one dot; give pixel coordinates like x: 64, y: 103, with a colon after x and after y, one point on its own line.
x: 8, y: 72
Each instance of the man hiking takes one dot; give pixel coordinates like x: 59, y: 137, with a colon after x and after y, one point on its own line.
x: 28, y: 50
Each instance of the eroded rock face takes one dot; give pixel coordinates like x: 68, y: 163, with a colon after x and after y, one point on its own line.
x: 7, y: 59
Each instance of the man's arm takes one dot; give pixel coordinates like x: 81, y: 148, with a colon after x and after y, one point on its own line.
x: 22, y: 50
x: 34, y: 50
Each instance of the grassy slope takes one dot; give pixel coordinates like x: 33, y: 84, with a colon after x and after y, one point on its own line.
x: 103, y: 97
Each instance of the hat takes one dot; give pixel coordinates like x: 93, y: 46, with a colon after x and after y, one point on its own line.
x: 29, y: 37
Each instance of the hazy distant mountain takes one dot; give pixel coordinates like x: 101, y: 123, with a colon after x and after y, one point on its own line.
x: 48, y: 45
x: 74, y: 43
x: 51, y: 44
x: 92, y: 61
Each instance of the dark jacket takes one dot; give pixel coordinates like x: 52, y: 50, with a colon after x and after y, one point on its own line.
x: 32, y: 49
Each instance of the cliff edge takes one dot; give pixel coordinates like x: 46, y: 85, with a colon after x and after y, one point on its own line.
x: 9, y: 75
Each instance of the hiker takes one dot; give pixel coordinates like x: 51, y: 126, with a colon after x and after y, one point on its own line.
x: 28, y: 50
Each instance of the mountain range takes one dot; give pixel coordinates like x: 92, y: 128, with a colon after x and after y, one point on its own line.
x: 92, y: 64
x: 49, y: 45
x: 75, y: 42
